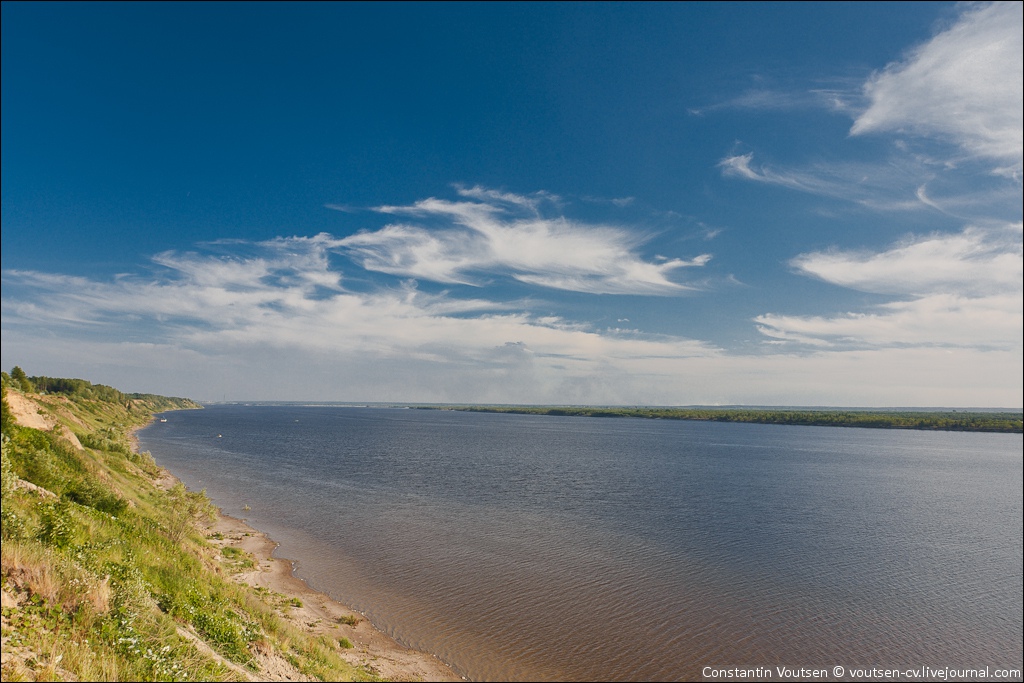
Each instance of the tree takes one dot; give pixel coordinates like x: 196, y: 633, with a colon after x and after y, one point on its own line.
x: 21, y: 379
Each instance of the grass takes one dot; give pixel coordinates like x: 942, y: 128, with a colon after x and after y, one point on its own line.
x: 109, y: 570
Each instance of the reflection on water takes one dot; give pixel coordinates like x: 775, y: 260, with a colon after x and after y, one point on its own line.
x: 523, y: 547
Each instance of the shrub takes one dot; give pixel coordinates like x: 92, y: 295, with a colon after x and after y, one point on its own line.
x: 58, y: 527
x: 91, y: 494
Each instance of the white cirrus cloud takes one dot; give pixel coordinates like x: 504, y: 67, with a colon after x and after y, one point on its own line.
x: 273, y: 320
x: 506, y: 234
x: 893, y: 186
x: 975, y: 261
x: 964, y: 289
x: 937, y: 320
x: 964, y: 84
x: 952, y: 108
x: 285, y: 293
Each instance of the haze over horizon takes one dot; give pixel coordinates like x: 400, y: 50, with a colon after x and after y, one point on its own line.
x: 608, y: 204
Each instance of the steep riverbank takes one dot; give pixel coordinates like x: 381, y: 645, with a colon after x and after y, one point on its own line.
x: 113, y: 571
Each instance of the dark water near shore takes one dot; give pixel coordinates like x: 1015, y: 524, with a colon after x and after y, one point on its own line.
x: 529, y: 547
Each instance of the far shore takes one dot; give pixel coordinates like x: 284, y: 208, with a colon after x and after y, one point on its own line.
x: 999, y: 421
x: 311, y: 610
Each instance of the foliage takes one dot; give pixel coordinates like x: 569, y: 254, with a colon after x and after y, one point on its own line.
x: 6, y: 419
x: 109, y: 568
x: 21, y: 380
x: 187, y: 508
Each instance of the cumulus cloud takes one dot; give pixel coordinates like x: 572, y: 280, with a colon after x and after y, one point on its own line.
x: 502, y: 233
x: 964, y: 84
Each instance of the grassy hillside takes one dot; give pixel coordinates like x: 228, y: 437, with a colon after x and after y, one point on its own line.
x: 106, y: 573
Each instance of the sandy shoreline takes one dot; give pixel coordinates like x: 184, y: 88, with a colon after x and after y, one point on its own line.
x: 321, y: 614
x: 308, y: 609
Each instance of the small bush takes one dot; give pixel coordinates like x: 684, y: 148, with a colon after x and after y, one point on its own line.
x: 91, y: 494
x: 58, y: 526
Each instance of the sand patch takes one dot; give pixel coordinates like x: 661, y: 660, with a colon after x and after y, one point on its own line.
x: 316, y: 613
x: 27, y: 412
x: 30, y: 412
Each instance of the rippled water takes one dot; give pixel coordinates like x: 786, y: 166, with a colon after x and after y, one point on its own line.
x: 522, y: 547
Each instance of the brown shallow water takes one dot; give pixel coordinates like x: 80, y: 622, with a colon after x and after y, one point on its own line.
x: 527, y: 547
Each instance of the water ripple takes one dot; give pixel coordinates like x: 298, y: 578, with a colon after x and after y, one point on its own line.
x: 543, y: 548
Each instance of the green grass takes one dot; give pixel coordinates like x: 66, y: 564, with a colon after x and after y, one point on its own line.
x: 109, y: 568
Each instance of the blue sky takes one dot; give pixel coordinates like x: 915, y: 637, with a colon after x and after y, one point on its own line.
x: 771, y: 204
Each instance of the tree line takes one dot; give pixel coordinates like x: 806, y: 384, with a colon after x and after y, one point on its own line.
x: 960, y: 421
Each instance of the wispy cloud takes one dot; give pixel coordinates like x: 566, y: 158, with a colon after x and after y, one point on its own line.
x: 939, y: 320
x: 953, y: 108
x: 974, y: 262
x: 964, y: 84
x: 488, y: 195
x: 892, y: 186
x: 505, y: 234
x: 290, y: 295
x: 965, y: 290
x: 343, y: 208
x: 839, y: 95
x: 235, y: 319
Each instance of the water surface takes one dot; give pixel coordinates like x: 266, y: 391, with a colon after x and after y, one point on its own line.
x: 522, y: 547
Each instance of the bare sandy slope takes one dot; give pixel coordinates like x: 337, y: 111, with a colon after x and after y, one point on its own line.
x: 26, y: 412
x: 30, y: 413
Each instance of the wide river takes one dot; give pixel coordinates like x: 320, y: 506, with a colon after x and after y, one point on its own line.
x: 518, y: 547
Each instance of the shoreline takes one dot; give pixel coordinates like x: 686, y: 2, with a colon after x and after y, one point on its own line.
x: 317, y: 612
x: 306, y: 608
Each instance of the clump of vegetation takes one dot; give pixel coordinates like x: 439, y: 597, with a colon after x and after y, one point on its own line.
x: 348, y: 620
x: 236, y: 558
x: 111, y: 574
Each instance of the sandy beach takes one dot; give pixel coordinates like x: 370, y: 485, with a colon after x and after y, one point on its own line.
x: 318, y: 613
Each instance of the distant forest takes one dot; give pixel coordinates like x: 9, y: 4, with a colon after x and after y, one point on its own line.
x: 955, y: 421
